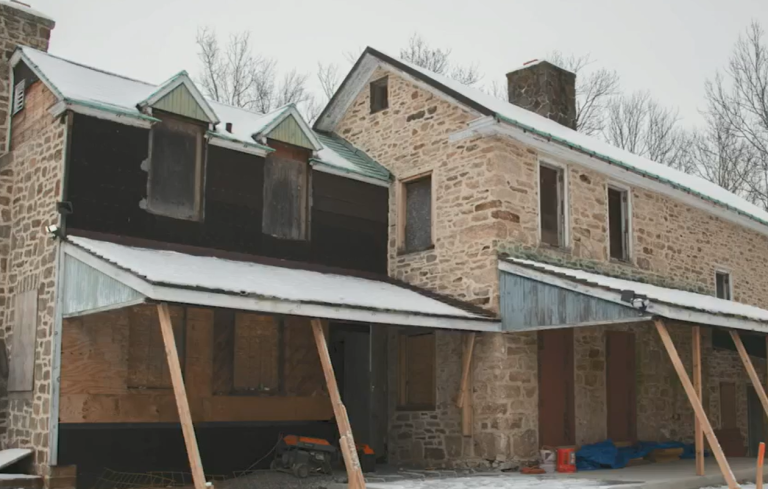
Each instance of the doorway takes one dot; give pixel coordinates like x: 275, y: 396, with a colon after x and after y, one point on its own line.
x: 620, y: 386
x: 756, y: 428
x: 556, y: 398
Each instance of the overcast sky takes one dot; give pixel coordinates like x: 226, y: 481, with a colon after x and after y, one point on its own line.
x: 669, y: 47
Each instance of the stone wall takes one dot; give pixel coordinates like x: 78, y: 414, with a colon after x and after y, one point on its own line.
x: 546, y: 89
x: 486, y: 204
x: 34, y: 171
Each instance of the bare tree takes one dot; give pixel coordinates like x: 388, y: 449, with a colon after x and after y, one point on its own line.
x: 234, y: 74
x: 721, y: 156
x: 329, y: 78
x: 594, y: 88
x: 637, y: 123
x: 738, y: 96
x: 419, y: 52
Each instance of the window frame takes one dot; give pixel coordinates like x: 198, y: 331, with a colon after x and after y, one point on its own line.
x: 626, y: 210
x: 201, y: 160
x: 403, y: 403
x: 402, y: 210
x: 727, y: 273
x: 563, y: 197
x: 375, y: 85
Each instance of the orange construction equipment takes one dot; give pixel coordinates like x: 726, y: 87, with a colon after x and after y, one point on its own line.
x: 566, y: 459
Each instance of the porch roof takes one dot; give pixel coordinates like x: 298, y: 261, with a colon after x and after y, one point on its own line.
x: 100, y: 275
x: 537, y: 295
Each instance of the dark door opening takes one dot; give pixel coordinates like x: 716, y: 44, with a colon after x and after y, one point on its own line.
x: 756, y: 429
x: 351, y: 358
x: 556, y: 401
x: 620, y: 385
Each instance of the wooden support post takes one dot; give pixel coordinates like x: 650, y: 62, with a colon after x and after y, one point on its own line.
x: 750, y: 370
x: 693, y: 398
x: 346, y: 440
x: 759, y: 473
x: 180, y: 392
x: 699, y: 433
x: 464, y: 399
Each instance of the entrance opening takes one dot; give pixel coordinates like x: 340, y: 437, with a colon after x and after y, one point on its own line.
x: 556, y: 397
x: 620, y: 386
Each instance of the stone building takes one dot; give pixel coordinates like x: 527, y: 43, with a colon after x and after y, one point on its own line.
x: 524, y: 211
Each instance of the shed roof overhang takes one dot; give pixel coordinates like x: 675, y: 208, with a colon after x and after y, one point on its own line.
x: 100, y: 275
x: 538, y: 296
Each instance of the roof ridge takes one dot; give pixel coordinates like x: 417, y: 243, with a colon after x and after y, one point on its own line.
x: 82, y: 65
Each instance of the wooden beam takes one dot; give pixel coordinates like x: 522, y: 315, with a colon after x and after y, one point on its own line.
x: 179, y: 391
x: 699, y: 433
x: 693, y: 398
x: 464, y: 400
x: 759, y: 473
x: 750, y: 370
x: 346, y: 439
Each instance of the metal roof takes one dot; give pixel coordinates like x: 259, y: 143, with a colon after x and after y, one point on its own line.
x: 350, y: 159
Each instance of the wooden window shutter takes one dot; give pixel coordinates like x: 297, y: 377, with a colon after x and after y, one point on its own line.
x: 417, y: 371
x: 22, y: 367
x: 19, y: 92
x: 285, y: 198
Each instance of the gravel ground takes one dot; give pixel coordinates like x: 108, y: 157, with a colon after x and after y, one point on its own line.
x: 267, y: 479
x: 511, y: 481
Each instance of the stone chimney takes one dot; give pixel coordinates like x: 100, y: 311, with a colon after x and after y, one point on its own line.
x: 548, y: 90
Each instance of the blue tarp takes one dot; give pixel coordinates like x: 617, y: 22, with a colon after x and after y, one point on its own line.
x: 606, y: 455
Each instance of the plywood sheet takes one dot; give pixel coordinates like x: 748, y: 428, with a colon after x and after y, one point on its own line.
x: 147, y: 364
x: 257, y: 358
x: 303, y: 372
x: 22, y: 367
x: 223, y: 351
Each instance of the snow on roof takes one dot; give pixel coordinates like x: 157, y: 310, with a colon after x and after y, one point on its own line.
x: 677, y: 297
x: 521, y: 117
x: 25, y: 8
x: 170, y: 268
x: 80, y: 83
x: 338, y: 153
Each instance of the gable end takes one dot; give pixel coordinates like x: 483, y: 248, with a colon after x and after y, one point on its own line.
x: 181, y: 102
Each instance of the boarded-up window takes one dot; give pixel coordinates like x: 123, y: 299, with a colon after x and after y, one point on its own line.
x: 285, y: 198
x: 303, y: 372
x: 551, y: 206
x: 379, y: 95
x: 618, y: 223
x: 727, y: 405
x: 417, y: 216
x: 723, y: 285
x: 417, y: 389
x: 257, y: 353
x: 21, y: 374
x: 176, y: 167
x: 147, y: 362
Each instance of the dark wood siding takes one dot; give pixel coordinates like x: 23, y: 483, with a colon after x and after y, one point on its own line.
x: 106, y: 184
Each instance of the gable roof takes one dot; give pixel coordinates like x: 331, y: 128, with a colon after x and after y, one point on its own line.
x: 338, y: 155
x: 493, y: 111
x: 96, y: 92
x: 181, y: 81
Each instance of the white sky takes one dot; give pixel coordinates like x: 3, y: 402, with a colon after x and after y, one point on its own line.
x: 666, y: 46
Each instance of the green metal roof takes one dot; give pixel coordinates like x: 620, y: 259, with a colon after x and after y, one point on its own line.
x: 341, y: 155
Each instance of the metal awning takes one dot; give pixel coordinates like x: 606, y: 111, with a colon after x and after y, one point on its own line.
x: 101, y: 275
x: 537, y: 295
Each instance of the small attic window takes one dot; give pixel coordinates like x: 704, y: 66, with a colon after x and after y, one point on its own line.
x: 379, y: 95
x: 18, y: 96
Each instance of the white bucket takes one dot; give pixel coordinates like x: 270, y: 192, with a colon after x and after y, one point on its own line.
x: 547, y: 457
x: 549, y: 468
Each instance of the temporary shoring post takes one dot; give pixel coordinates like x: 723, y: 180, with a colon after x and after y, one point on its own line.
x: 714, y: 445
x: 464, y: 399
x: 699, y: 433
x: 180, y: 392
x: 346, y: 440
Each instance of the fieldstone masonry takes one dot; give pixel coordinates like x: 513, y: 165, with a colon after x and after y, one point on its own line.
x: 546, y: 89
x: 486, y: 204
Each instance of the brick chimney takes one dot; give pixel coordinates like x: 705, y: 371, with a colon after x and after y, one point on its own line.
x: 548, y: 90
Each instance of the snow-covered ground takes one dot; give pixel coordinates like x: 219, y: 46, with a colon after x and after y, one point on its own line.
x: 511, y: 481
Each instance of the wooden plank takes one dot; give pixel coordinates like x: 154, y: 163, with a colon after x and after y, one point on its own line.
x: 750, y: 370
x: 179, y: 391
x: 698, y: 433
x: 346, y: 439
x: 728, y: 408
x: 223, y: 351
x: 557, y: 419
x: 302, y: 372
x: 760, y: 461
x: 465, y: 392
x: 693, y: 398
x: 21, y: 374
x: 257, y: 356
x: 198, y: 361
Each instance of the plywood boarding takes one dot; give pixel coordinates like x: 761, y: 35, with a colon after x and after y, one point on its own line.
x: 94, y: 384
x: 302, y: 372
x: 621, y: 386
x: 727, y: 405
x: 147, y: 365
x: 417, y: 371
x: 22, y: 366
x: 223, y: 351
x: 285, y: 197
x: 257, y: 357
x: 556, y: 388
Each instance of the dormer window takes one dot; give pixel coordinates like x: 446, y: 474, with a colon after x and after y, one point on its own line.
x: 379, y: 95
x: 176, y: 167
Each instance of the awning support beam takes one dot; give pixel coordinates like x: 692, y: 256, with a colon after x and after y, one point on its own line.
x: 699, y: 432
x: 693, y: 398
x: 464, y: 399
x: 346, y: 439
x: 180, y: 392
